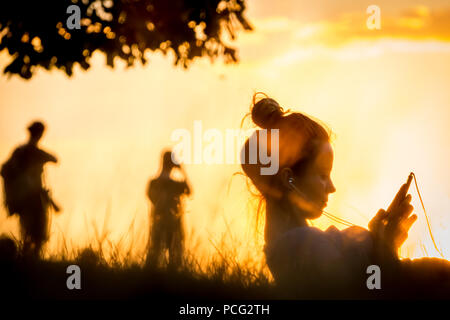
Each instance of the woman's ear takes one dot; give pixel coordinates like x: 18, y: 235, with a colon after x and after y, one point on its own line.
x: 286, y: 175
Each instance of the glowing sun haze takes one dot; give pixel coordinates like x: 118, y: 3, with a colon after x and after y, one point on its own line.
x: 384, y: 94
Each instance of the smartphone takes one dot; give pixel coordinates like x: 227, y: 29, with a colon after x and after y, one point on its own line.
x: 408, y: 182
x: 401, y: 194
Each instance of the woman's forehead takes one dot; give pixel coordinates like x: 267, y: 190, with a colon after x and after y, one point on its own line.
x: 324, y: 159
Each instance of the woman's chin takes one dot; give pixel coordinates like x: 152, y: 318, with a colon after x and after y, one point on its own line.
x: 314, y: 215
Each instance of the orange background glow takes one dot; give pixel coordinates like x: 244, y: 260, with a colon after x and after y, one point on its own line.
x: 384, y: 94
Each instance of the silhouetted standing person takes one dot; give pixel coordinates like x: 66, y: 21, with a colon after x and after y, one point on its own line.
x: 25, y: 193
x: 167, y: 212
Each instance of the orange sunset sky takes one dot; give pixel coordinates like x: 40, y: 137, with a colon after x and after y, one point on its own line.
x: 384, y: 94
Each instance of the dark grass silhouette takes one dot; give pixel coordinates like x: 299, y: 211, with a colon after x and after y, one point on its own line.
x: 28, y: 278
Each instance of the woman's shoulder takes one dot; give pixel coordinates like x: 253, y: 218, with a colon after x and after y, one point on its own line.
x: 311, y: 257
x: 356, y: 237
x: 304, y: 251
x: 312, y: 241
x: 330, y: 234
x: 356, y: 233
x: 305, y: 231
x: 306, y: 241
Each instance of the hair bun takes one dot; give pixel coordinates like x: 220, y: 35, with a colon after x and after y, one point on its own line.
x: 266, y: 112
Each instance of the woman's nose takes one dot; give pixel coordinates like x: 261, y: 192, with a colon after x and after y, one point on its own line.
x: 331, y: 187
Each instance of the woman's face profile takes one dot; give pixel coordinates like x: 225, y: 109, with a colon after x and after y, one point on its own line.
x: 315, y: 182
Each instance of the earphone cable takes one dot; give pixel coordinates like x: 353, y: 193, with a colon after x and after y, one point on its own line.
x: 426, y: 217
x: 339, y: 220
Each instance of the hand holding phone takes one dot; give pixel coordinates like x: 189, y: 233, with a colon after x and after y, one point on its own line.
x: 401, y: 194
x: 392, y: 225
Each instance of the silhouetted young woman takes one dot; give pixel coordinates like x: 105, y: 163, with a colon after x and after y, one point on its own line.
x: 305, y: 261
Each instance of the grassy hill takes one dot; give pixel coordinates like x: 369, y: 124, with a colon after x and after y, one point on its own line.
x: 24, y: 277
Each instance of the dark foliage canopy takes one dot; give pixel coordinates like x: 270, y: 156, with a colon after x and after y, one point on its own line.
x: 36, y: 33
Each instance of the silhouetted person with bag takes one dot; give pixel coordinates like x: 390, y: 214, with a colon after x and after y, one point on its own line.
x: 25, y: 193
x: 166, y: 232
